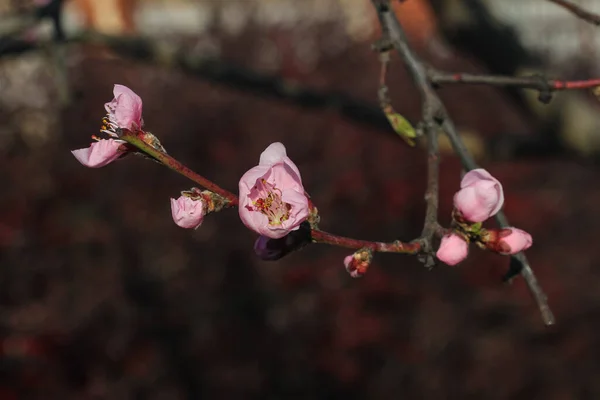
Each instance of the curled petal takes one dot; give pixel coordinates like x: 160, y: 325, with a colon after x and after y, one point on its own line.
x: 187, y: 213
x: 453, y: 249
x: 99, y: 153
x: 276, y: 153
x: 125, y: 109
x: 273, y: 154
x: 474, y: 176
x: 516, y: 241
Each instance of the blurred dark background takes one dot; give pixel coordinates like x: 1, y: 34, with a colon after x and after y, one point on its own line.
x: 102, y: 296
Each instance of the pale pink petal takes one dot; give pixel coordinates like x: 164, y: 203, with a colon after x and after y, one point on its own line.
x: 517, y: 241
x: 453, y: 249
x: 299, y: 203
x: 272, y: 154
x: 125, y: 110
x: 250, y: 178
x: 276, y: 153
x: 99, y: 153
x: 187, y: 213
x: 474, y: 176
x: 285, y: 176
x: 467, y: 202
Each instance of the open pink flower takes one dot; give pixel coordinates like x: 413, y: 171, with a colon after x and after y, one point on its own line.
x: 453, y: 249
x: 517, y: 240
x: 272, y: 198
x: 480, y: 197
x: 187, y: 213
x: 125, y: 110
x: 99, y: 153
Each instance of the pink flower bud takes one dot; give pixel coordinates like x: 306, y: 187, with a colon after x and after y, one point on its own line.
x: 517, y: 240
x: 187, y: 213
x: 358, y: 263
x: 272, y: 199
x: 480, y: 197
x: 453, y: 249
x: 125, y: 110
x: 99, y: 153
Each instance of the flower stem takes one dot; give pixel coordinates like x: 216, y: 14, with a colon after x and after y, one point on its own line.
x: 396, y: 246
x: 168, y: 161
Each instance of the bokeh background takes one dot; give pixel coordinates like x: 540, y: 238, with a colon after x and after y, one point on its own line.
x: 102, y: 296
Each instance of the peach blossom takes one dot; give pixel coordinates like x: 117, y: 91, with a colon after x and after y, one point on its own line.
x: 272, y: 198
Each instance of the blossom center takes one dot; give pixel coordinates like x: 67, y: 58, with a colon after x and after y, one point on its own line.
x: 269, y: 202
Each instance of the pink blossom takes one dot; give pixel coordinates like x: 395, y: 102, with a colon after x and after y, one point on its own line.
x: 453, y: 249
x: 99, y: 153
x: 517, y: 240
x: 187, y: 213
x: 125, y: 110
x: 480, y: 197
x: 272, y: 198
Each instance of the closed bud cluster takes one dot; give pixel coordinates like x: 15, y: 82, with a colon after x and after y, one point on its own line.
x: 480, y: 197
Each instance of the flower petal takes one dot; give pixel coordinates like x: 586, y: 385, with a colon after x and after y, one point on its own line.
x: 99, y: 153
x: 273, y: 154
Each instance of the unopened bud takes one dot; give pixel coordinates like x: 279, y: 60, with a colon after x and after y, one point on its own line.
x: 507, y: 240
x: 269, y: 249
x: 357, y: 264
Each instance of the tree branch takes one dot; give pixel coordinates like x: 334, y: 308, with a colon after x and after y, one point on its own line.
x: 434, y: 110
x: 578, y: 11
x: 431, y: 112
x: 393, y: 247
x: 535, y: 82
x: 173, y: 164
x: 136, y: 140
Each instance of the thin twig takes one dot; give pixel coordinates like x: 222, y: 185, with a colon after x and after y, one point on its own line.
x: 396, y: 246
x: 434, y: 108
x: 535, y: 82
x: 318, y: 236
x: 578, y: 11
x: 431, y: 106
x: 171, y: 163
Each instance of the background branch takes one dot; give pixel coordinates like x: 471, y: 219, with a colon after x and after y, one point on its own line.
x: 578, y: 11
x: 434, y: 109
x: 535, y: 82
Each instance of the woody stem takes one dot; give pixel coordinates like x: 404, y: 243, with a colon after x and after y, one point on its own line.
x: 136, y: 140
